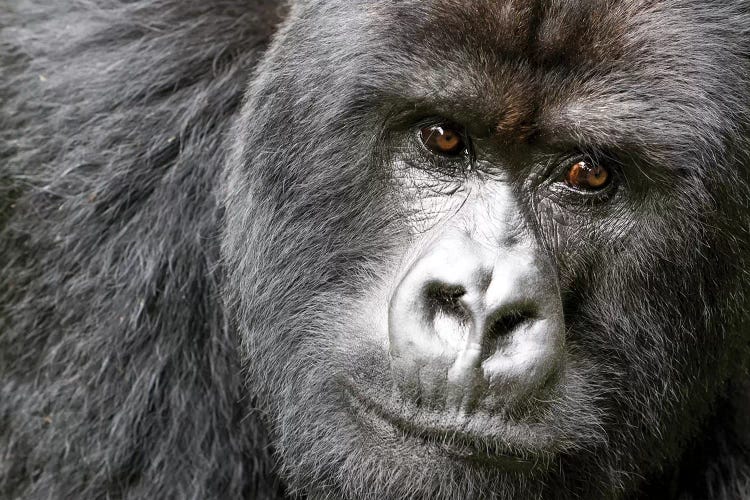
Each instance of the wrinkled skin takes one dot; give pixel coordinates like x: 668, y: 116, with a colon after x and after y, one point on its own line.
x: 295, y: 294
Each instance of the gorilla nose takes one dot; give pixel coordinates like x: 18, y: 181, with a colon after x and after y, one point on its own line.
x: 475, y: 328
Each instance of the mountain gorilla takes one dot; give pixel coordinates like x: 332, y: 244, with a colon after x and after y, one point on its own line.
x: 375, y: 250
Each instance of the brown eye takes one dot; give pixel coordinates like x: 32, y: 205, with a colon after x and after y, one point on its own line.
x: 444, y: 140
x: 587, y: 176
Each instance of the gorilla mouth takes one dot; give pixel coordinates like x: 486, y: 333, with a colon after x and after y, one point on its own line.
x: 478, y: 439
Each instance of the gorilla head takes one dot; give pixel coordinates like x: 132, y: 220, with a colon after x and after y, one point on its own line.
x: 460, y: 250
x: 489, y: 247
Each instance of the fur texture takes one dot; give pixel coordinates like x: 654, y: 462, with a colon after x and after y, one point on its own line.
x: 190, y: 277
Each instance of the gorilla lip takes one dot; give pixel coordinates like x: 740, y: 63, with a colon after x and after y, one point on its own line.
x: 462, y: 444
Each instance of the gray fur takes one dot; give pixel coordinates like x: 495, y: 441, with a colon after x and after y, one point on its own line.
x: 184, y: 270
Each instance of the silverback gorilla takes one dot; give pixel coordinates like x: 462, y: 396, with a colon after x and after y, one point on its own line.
x: 437, y: 249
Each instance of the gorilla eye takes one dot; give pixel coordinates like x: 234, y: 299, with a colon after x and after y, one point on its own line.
x: 443, y: 140
x: 587, y: 176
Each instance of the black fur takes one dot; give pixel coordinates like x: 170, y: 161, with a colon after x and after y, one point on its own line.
x: 187, y: 277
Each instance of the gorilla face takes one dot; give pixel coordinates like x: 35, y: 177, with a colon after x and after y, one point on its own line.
x: 488, y: 248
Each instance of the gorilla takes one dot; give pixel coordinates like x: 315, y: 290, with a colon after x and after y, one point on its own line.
x: 357, y: 249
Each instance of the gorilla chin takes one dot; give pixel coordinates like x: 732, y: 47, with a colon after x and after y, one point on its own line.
x: 375, y: 250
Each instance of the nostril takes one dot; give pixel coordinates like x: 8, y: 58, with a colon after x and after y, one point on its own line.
x: 507, y: 320
x: 442, y: 298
